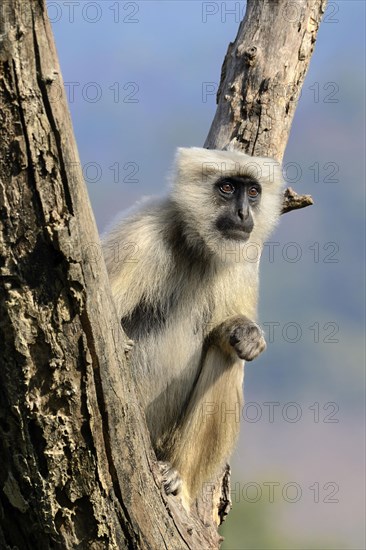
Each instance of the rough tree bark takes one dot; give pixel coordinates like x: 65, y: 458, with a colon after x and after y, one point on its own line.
x: 77, y: 467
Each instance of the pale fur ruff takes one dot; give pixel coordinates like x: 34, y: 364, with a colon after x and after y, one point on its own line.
x: 172, y: 271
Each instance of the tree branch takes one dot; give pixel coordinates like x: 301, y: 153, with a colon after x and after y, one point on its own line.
x: 261, y: 80
x: 293, y: 201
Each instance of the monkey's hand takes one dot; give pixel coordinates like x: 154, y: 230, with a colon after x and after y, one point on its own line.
x: 247, y: 338
x: 172, y: 482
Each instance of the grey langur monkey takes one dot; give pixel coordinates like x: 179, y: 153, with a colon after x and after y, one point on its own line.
x: 184, y: 277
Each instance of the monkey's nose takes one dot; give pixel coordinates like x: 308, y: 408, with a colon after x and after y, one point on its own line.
x: 243, y: 214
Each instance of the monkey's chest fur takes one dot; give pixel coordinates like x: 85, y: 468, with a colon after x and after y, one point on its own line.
x: 172, y: 346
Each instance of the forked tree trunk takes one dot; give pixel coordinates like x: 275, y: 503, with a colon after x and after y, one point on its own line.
x: 77, y: 469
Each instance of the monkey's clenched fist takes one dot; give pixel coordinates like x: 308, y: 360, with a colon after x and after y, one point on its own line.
x: 247, y: 338
x: 242, y: 335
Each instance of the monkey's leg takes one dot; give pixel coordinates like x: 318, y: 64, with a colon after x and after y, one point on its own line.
x: 209, y: 427
x: 242, y: 335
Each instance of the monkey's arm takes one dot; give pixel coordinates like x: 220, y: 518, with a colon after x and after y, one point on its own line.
x: 136, y: 259
x: 239, y: 335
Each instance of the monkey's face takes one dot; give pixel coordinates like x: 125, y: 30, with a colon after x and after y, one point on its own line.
x: 238, y: 198
x: 228, y: 200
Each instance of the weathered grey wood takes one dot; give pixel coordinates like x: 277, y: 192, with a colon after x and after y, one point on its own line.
x: 262, y: 76
x: 293, y: 201
x: 77, y: 466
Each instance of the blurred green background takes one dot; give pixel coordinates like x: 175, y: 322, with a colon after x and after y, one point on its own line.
x: 141, y: 80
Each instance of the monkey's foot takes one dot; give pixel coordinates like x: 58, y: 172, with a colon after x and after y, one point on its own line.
x: 128, y: 346
x: 247, y: 339
x: 172, y: 482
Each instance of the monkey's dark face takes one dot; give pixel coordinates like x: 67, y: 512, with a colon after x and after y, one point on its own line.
x: 238, y: 197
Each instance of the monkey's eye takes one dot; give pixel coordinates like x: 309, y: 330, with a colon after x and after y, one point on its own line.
x: 227, y: 188
x: 253, y: 192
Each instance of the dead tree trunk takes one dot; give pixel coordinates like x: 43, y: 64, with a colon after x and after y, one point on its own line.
x: 77, y: 466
